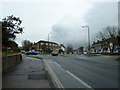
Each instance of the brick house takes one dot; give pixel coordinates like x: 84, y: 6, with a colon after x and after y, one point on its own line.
x: 44, y: 46
x: 106, y: 45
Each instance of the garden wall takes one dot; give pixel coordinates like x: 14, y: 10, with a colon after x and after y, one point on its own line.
x: 10, y: 61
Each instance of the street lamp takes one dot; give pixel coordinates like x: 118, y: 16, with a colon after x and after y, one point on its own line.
x: 48, y: 40
x: 48, y: 37
x: 88, y: 38
x: 48, y: 43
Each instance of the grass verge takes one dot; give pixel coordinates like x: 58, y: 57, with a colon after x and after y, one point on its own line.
x: 23, y: 52
x: 118, y: 59
x: 44, y: 53
x: 92, y: 55
x: 35, y: 57
x: 6, y: 53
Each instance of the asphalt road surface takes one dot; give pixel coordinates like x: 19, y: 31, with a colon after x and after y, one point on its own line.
x: 97, y: 71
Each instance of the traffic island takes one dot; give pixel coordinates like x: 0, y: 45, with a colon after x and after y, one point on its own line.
x: 92, y: 55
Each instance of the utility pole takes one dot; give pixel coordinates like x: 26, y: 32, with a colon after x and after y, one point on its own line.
x: 88, y: 38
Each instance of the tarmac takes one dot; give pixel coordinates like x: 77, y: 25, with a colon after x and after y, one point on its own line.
x: 30, y: 73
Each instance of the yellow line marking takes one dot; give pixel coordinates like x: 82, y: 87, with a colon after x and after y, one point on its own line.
x: 54, y: 76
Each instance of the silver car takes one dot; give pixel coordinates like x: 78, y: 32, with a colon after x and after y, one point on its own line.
x: 55, y: 53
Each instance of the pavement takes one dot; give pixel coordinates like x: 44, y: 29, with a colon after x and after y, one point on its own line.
x: 30, y: 73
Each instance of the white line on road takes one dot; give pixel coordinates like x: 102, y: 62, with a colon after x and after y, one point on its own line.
x: 79, y: 80
x: 33, y: 58
x: 59, y: 83
x: 57, y: 64
x: 50, y: 59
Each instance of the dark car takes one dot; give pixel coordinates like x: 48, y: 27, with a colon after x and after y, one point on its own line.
x: 31, y: 53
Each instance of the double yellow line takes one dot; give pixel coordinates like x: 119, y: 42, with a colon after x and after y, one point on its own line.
x: 54, y: 76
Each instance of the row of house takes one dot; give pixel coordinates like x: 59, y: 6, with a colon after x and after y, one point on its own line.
x: 110, y: 45
x: 106, y: 45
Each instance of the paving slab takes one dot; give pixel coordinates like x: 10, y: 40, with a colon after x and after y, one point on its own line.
x: 29, y: 73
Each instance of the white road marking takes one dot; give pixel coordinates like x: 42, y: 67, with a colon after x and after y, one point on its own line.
x: 57, y: 80
x: 57, y: 64
x: 50, y: 59
x: 79, y: 80
x: 33, y: 58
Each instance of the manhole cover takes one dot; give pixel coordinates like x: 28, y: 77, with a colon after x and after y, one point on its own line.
x: 37, y: 76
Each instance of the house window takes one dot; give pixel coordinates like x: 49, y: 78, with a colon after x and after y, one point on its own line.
x: 41, y: 43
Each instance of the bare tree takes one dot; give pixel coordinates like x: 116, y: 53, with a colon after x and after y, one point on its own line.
x: 27, y: 45
x: 111, y: 32
x: 69, y: 49
x: 108, y: 32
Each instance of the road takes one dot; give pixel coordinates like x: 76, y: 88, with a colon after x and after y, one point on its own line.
x: 97, y: 72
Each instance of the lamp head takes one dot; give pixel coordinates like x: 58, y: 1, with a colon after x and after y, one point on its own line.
x: 83, y: 26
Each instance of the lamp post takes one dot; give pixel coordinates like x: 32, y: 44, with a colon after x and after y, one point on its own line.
x: 48, y: 37
x: 88, y: 38
x: 48, y: 43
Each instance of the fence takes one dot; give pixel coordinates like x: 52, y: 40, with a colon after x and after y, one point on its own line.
x: 10, y: 58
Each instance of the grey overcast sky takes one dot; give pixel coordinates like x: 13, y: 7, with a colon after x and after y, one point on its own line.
x: 62, y: 20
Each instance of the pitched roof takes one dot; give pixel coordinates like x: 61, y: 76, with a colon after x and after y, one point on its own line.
x: 42, y: 41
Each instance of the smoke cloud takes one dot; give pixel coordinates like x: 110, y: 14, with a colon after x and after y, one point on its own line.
x: 69, y: 29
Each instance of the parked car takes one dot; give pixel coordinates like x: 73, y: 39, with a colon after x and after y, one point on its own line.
x: 23, y: 51
x: 55, y: 53
x: 31, y: 53
x: 79, y: 53
x: 85, y: 53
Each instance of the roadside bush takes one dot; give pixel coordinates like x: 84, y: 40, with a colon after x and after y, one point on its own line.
x: 118, y: 59
x: 110, y: 53
x: 92, y: 55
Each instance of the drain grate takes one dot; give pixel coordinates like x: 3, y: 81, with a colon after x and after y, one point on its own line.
x: 37, y: 76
